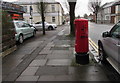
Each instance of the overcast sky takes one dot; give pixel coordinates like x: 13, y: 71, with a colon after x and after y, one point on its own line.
x: 81, y: 6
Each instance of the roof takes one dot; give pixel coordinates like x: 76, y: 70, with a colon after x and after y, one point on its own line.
x: 117, y: 3
x: 29, y: 2
x: 11, y: 7
x: 34, y: 1
x: 106, y: 5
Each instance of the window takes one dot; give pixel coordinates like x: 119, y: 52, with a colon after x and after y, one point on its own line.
x: 22, y: 24
x: 115, y: 32
x: 118, y: 17
x: 107, y: 17
x: 25, y: 8
x: 53, y: 19
x: 118, y: 8
x: 53, y: 8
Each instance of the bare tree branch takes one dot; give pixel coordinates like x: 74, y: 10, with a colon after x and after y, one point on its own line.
x: 66, y: 5
x: 45, y: 5
x: 94, y: 6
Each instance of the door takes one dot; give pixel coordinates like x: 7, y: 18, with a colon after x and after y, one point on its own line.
x: 113, y: 43
x: 23, y: 28
x: 112, y: 19
x: 27, y: 30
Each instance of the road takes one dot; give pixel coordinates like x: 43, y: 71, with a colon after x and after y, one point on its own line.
x: 96, y: 30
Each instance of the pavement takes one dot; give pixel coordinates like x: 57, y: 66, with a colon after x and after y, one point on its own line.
x: 51, y: 58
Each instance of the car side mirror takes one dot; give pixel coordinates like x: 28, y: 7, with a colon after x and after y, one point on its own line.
x: 106, y: 34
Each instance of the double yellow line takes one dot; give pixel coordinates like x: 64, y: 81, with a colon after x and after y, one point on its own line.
x: 95, y: 47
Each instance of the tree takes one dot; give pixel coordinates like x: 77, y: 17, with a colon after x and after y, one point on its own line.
x: 85, y: 16
x: 39, y: 9
x: 78, y: 17
x: 66, y: 5
x: 94, y: 6
x: 72, y: 16
x: 42, y: 6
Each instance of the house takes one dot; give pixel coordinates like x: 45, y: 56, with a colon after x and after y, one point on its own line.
x: 54, y: 11
x: 15, y: 11
x: 91, y: 17
x: 110, y: 13
x: 117, y: 12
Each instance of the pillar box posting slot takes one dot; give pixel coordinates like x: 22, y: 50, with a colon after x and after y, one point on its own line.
x: 81, y: 41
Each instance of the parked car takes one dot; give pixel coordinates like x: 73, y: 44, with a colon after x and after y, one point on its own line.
x: 7, y: 36
x: 23, y: 31
x: 33, y: 27
x: 48, y: 26
x: 109, y: 47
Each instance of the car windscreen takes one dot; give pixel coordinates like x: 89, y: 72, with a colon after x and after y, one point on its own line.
x: 21, y: 24
x: 116, y: 30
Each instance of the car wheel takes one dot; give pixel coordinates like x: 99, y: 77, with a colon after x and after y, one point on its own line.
x: 102, y: 56
x: 20, y: 39
x: 50, y: 28
x: 34, y: 32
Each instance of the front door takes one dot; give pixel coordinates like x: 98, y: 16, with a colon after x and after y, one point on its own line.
x: 112, y: 19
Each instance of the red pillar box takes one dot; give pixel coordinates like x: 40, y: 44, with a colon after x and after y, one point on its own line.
x: 81, y: 41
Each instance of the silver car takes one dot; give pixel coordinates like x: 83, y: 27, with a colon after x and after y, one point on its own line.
x: 23, y: 31
x: 48, y: 26
x: 109, y: 47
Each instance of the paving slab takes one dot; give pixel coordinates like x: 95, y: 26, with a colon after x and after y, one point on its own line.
x: 57, y: 56
x: 26, y: 51
x: 63, y: 45
x: 34, y: 44
x: 25, y: 56
x: 14, y: 75
x: 59, y: 48
x: 61, y: 42
x: 59, y: 62
x: 6, y: 69
x: 56, y: 78
x: 41, y: 56
x: 30, y: 71
x: 45, y: 52
x: 61, y: 52
x: 28, y: 78
x: 50, y: 70
x: 38, y: 63
x: 87, y: 73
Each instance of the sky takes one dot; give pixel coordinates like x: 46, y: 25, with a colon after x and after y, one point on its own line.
x: 81, y: 6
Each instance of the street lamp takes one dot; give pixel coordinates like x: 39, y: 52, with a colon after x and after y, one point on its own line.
x: 31, y: 10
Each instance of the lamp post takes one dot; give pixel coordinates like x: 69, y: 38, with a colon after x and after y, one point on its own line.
x: 31, y: 17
